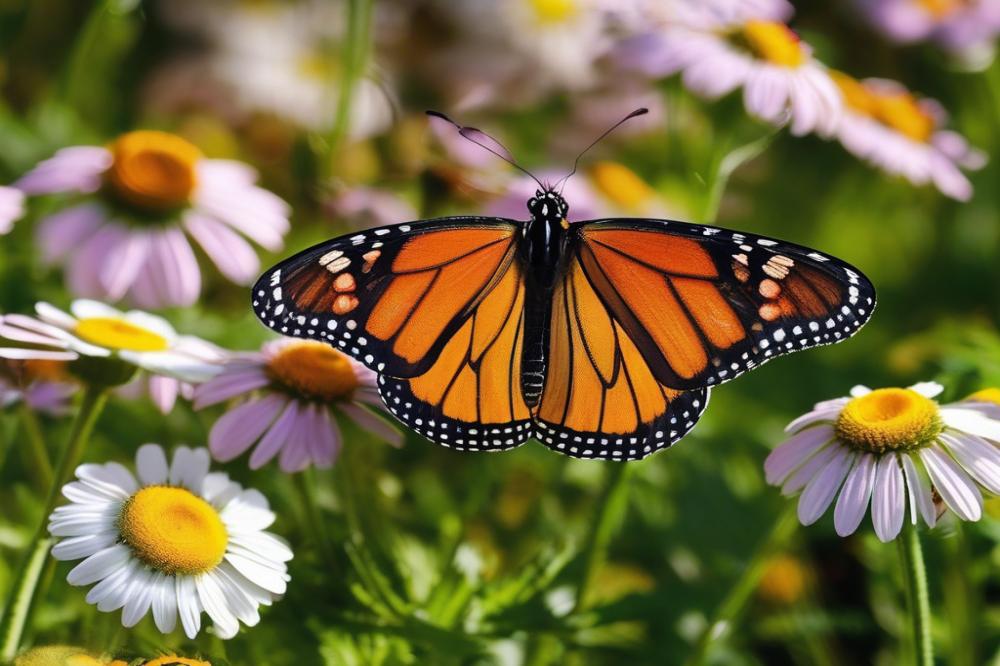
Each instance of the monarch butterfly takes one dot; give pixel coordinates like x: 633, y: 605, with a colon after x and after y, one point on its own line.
x: 599, y: 338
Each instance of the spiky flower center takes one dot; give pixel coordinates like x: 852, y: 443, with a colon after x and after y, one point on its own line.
x: 173, y: 530
x: 774, y: 42
x: 153, y: 171
x: 891, y: 419
x: 112, y: 333
x: 314, y: 370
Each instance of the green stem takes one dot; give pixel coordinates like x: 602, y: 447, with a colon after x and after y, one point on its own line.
x: 25, y: 590
x: 917, y: 599
x: 961, y: 601
x: 38, y: 454
x: 305, y: 484
x: 354, y: 58
x: 611, y: 511
x: 730, y: 162
x: 739, y: 595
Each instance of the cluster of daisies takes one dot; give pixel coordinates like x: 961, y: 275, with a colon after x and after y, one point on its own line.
x: 174, y: 539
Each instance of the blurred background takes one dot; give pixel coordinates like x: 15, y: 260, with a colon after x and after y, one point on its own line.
x: 473, y: 559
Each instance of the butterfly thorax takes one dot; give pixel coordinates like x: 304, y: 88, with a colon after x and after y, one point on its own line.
x: 541, y: 251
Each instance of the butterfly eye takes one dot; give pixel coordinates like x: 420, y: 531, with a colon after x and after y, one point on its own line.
x: 538, y: 193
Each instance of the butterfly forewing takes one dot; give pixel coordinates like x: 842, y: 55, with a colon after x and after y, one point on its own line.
x: 703, y: 305
x: 390, y: 297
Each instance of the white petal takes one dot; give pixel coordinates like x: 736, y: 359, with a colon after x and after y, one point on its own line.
x: 188, y: 606
x: 971, y: 421
x: 140, y: 597
x: 823, y: 487
x: 99, y: 565
x: 214, y: 602
x: 855, y: 496
x: 110, y: 477
x: 113, y: 592
x: 248, y: 511
x: 266, y: 545
x: 53, y: 315
x: 794, y: 452
x: 85, y: 308
x: 888, y: 498
x: 164, y: 603
x: 805, y: 473
x: 264, y: 576
x: 928, y: 389
x: 860, y: 390
x: 242, y: 604
x: 151, y: 465
x: 977, y: 456
x: 826, y: 413
x: 957, y: 490
x: 921, y: 498
x: 189, y: 467
x: 77, y: 548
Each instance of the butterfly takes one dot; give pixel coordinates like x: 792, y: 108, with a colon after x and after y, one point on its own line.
x: 600, y: 338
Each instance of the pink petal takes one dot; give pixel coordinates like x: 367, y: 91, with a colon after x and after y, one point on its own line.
x: 277, y: 437
x: 919, y: 490
x: 86, y: 265
x: 977, y: 456
x: 855, y: 495
x: 163, y: 392
x: 238, y: 429
x: 823, y: 487
x: 888, y: 498
x: 234, y: 257
x: 123, y: 262
x: 372, y: 422
x: 794, y: 452
x: 229, y: 385
x: 62, y: 233
x: 957, y: 490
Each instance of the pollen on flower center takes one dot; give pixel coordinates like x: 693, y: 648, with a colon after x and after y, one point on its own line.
x: 153, y: 170
x: 173, y: 530
x: 553, y: 11
x: 774, y: 42
x: 119, y: 334
x: 889, y: 419
x: 314, y: 370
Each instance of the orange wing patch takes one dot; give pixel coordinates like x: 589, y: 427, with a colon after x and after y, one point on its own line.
x: 470, y: 398
x: 600, y: 398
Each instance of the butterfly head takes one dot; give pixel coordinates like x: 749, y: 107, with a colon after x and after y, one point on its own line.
x: 548, y: 206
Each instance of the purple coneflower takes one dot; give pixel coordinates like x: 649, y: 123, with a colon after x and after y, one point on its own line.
x: 293, y: 392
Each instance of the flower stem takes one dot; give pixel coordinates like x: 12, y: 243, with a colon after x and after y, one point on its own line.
x: 25, y: 589
x: 354, y: 57
x: 917, y: 599
x: 38, y: 453
x: 611, y: 510
x: 728, y: 164
x: 739, y: 595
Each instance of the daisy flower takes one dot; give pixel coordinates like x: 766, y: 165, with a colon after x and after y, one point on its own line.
x: 889, y: 448
x: 512, y: 52
x: 11, y: 208
x: 138, y: 200
x: 44, y: 386
x: 887, y: 126
x: 282, y: 58
x: 95, y: 330
x: 292, y: 393
x: 177, y: 541
x: 965, y: 27
x: 721, y: 47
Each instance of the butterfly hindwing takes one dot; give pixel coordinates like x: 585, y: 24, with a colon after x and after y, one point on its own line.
x: 600, y: 399
x: 390, y: 297
x: 703, y: 304
x: 470, y: 398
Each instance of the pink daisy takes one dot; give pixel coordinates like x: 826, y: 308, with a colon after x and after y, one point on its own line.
x: 11, y: 208
x: 890, y: 448
x: 961, y: 26
x: 886, y: 126
x: 44, y: 386
x: 720, y: 47
x: 147, y: 193
x: 292, y: 393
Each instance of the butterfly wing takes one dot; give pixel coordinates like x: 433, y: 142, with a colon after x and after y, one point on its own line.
x: 600, y: 398
x: 470, y: 398
x: 391, y: 297
x: 703, y: 305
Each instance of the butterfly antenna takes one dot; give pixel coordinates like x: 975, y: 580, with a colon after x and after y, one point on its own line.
x: 576, y: 163
x: 469, y: 134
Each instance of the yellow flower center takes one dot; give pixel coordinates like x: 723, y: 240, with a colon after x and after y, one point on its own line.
x: 173, y: 530
x: 889, y: 419
x: 774, y: 42
x: 315, y: 370
x: 986, y: 395
x: 898, y: 110
x: 119, y: 334
x: 553, y: 11
x: 152, y: 170
x: 621, y: 185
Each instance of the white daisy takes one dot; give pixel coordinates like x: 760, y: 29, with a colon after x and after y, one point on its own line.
x: 885, y: 125
x: 178, y: 540
x: 721, y: 47
x: 100, y: 331
x: 889, y: 448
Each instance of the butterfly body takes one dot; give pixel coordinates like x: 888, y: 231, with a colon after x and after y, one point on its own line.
x: 600, y: 338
